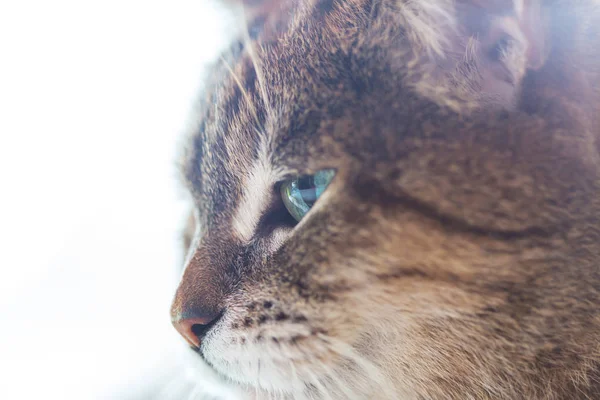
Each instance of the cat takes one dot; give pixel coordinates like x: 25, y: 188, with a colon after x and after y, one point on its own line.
x: 398, y: 199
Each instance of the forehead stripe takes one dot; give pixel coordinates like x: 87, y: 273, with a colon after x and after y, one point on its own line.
x: 257, y: 185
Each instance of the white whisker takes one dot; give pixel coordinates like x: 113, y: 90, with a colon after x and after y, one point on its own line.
x: 238, y: 82
x: 337, y: 380
x: 260, y: 76
x: 373, y: 371
x: 172, y: 388
x: 194, y: 393
x: 314, y: 379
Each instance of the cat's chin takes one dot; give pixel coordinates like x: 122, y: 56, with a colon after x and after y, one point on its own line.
x: 313, y: 366
x: 269, y: 368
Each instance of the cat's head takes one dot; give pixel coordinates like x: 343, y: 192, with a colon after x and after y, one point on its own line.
x: 362, y: 232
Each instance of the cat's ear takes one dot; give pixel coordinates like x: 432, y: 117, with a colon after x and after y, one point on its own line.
x: 264, y: 18
x: 533, y: 19
x: 254, y: 8
x: 483, y: 47
x: 511, y: 33
x: 521, y: 22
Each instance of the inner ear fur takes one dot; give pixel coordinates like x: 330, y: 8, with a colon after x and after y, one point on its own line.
x: 253, y: 8
x: 523, y: 21
x: 492, y: 45
x: 262, y: 18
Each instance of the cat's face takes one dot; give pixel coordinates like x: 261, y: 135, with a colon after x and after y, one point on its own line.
x: 448, y: 255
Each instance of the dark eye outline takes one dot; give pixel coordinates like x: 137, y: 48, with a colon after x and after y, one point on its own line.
x: 300, y: 194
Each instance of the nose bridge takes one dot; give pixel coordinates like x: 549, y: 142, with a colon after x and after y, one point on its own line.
x: 207, y: 279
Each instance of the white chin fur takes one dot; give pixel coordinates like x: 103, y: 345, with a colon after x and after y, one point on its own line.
x: 317, y: 367
x: 264, y: 366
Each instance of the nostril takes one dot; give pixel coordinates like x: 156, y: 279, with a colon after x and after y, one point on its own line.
x: 193, y: 329
x: 200, y: 329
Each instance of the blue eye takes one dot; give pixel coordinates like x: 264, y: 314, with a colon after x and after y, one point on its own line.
x: 300, y: 194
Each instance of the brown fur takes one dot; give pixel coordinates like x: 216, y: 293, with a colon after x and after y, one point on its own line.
x: 455, y: 255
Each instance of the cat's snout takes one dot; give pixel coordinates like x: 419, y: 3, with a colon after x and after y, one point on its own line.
x: 199, y: 300
x: 193, y: 327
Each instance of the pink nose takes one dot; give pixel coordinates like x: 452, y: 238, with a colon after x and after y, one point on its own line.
x: 193, y: 328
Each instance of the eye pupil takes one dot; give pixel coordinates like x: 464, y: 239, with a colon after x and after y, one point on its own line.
x: 309, y: 196
x: 300, y: 194
x: 307, y: 189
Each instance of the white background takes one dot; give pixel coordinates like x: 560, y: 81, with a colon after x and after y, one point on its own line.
x: 94, y: 97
